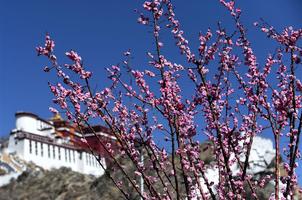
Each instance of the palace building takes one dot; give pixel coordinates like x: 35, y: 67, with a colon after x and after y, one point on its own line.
x: 57, y: 143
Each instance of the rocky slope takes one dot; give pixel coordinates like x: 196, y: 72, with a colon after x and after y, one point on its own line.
x: 60, y: 184
x: 56, y: 184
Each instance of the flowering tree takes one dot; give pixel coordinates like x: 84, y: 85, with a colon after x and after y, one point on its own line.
x: 235, y: 97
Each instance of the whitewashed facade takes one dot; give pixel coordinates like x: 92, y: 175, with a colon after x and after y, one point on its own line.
x: 35, y: 140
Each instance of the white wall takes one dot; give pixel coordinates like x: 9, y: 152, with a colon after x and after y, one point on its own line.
x: 11, y: 144
x: 86, y: 165
x: 15, y: 146
x: 30, y: 124
x: 91, y: 166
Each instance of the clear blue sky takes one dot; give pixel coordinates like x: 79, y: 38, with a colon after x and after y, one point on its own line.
x: 100, y: 31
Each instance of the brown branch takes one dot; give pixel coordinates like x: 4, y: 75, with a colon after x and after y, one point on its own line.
x: 289, y: 186
x: 116, y: 130
x: 219, y: 137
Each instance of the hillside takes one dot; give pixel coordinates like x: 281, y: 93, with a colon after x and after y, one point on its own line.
x: 64, y: 184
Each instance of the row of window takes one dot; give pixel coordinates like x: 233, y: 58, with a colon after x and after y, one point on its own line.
x: 91, y: 160
x: 54, y: 151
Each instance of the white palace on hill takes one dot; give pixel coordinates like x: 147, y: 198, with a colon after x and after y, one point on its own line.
x: 56, y: 143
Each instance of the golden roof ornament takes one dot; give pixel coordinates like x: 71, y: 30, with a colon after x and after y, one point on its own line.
x: 57, y: 117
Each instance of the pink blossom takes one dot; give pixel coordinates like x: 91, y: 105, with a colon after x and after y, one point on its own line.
x: 53, y: 110
x: 73, y: 56
x: 84, y: 140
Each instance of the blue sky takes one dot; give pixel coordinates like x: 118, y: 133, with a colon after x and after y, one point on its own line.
x: 101, y: 31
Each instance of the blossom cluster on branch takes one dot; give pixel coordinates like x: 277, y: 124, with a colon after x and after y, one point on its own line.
x: 236, y: 97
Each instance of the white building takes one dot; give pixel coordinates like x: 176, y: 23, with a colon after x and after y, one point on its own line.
x: 57, y: 143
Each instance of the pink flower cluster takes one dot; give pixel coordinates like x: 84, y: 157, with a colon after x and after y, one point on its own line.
x: 220, y: 94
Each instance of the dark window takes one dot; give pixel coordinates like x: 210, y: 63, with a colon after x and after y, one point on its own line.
x: 41, y: 149
x: 48, y: 146
x: 54, y: 152
x: 36, y: 147
x: 69, y: 155
x: 59, y: 153
x: 30, y: 147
